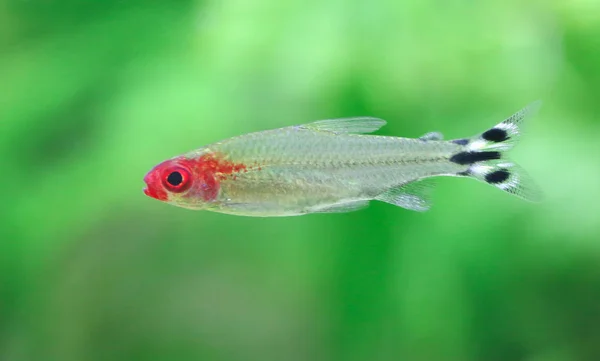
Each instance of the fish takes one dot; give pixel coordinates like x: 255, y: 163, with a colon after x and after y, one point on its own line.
x: 336, y: 166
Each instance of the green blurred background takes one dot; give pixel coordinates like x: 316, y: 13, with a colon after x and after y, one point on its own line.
x: 95, y: 93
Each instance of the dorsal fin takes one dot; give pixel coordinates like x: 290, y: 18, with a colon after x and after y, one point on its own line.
x: 356, y: 125
x: 432, y: 136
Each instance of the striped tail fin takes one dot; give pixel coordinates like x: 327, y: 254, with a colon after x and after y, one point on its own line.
x: 485, y: 155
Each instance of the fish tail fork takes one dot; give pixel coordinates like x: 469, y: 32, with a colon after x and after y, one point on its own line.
x: 486, y: 159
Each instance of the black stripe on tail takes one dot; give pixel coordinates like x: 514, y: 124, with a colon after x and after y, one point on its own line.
x: 485, y: 156
x: 495, y: 135
x: 497, y: 176
x: 467, y: 158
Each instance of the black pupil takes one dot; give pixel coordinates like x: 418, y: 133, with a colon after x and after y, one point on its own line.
x: 175, y: 179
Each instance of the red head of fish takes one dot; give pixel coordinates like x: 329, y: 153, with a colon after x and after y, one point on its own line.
x: 189, y: 182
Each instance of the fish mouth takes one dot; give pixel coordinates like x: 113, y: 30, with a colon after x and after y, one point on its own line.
x: 151, y: 191
x: 154, y: 193
x: 147, y: 188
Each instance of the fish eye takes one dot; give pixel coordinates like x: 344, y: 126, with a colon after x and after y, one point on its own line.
x: 177, y: 179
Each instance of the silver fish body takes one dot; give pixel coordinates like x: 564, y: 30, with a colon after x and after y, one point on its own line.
x: 301, y: 170
x: 332, y: 166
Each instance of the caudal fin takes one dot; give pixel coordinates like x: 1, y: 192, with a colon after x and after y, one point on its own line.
x: 485, y: 155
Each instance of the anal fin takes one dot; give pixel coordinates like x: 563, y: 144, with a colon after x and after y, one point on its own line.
x: 415, y: 196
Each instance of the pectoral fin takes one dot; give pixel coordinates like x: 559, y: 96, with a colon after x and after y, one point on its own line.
x: 343, y: 207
